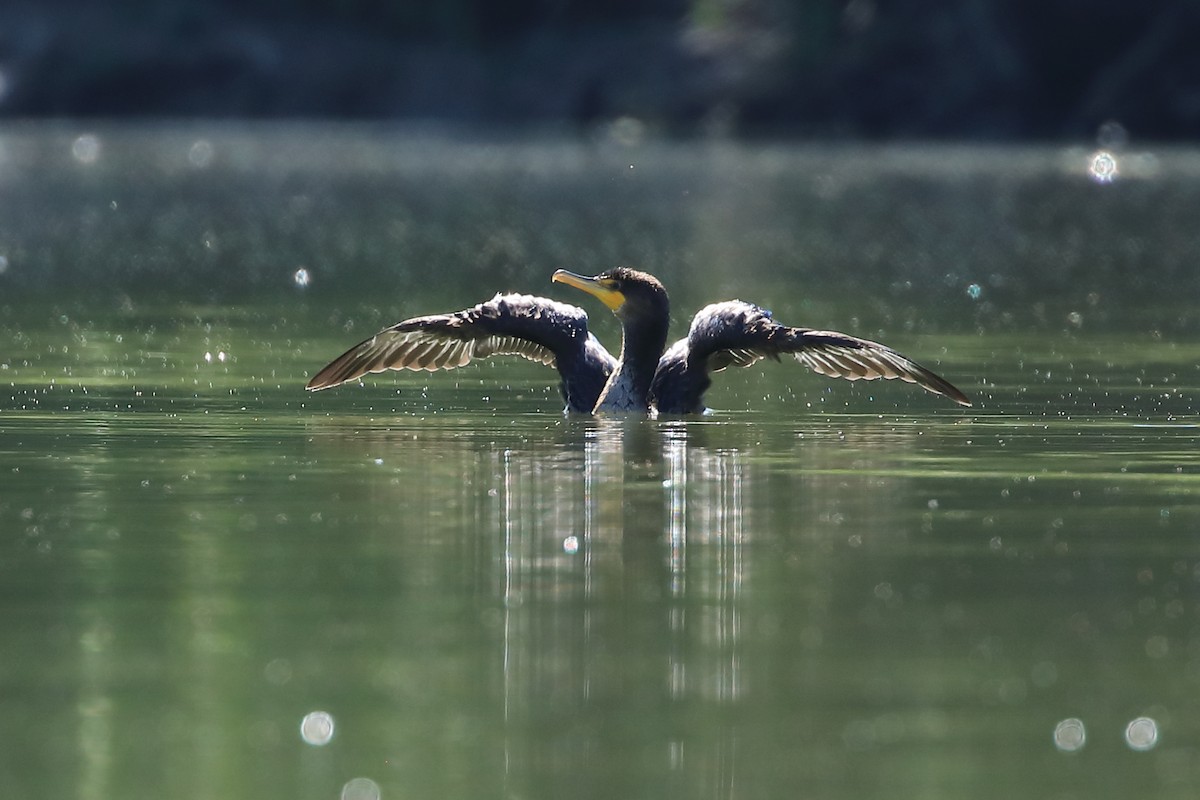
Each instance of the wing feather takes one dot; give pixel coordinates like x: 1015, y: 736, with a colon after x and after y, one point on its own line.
x: 839, y: 355
x: 735, y: 333
x: 520, y: 325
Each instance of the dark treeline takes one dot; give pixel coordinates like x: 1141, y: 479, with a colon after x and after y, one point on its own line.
x: 982, y: 69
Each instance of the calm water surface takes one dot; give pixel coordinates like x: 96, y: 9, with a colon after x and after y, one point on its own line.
x: 821, y: 590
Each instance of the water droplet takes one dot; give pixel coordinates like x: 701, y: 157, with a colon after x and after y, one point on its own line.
x: 1103, y: 167
x: 1141, y: 734
x: 200, y: 154
x: 1070, y: 735
x: 316, y: 728
x: 571, y: 545
x: 86, y: 149
x: 361, y: 789
x: 627, y: 131
x: 301, y: 278
x: 1158, y: 647
x: 974, y: 291
x: 1044, y: 674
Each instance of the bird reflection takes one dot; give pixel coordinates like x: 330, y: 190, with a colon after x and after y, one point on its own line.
x: 604, y: 565
x: 704, y: 493
x: 661, y: 532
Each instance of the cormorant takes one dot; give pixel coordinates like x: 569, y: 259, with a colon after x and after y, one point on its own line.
x: 643, y: 378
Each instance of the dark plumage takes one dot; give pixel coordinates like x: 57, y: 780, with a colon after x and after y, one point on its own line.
x: 644, y: 378
x: 541, y: 330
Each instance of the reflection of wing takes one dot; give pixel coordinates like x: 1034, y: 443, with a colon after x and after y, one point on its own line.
x: 739, y: 334
x: 541, y: 330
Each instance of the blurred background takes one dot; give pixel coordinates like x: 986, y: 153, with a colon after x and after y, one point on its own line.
x: 977, y: 69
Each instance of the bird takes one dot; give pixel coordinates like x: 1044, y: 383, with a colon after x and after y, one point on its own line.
x: 647, y: 377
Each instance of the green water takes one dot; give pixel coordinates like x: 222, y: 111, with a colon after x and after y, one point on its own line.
x: 821, y: 590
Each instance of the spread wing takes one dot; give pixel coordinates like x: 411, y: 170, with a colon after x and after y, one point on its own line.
x: 839, y: 355
x: 535, y: 328
x: 734, y: 333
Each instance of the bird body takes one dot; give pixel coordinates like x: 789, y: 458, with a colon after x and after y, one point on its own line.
x: 647, y: 377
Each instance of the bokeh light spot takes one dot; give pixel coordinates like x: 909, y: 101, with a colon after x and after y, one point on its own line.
x: 361, y: 789
x: 86, y: 149
x: 316, y: 728
x: 1112, y: 134
x: 1070, y: 735
x: 200, y: 154
x: 1103, y: 167
x: 1158, y: 646
x: 1141, y: 734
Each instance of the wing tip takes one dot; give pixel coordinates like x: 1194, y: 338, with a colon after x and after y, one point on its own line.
x: 335, y: 373
x: 939, y: 385
x: 932, y: 382
x: 319, y: 383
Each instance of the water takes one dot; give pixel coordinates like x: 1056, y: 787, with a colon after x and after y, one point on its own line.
x: 216, y: 585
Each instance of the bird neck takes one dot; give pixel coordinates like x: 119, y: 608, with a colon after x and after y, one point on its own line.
x: 628, y: 388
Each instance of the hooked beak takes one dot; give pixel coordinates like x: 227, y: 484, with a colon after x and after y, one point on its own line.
x: 597, y: 288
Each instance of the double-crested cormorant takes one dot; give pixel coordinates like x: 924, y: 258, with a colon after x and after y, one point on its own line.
x: 643, y: 378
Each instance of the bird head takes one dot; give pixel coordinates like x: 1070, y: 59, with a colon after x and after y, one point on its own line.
x: 630, y: 294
